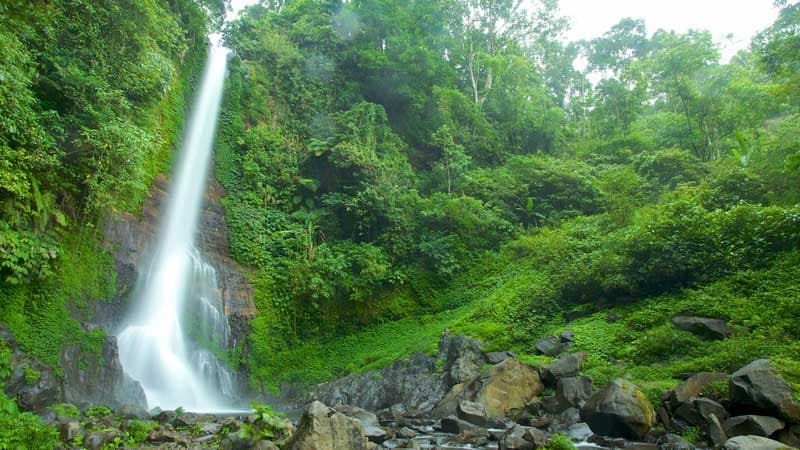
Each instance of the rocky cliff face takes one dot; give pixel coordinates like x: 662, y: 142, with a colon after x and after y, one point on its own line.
x: 88, y: 381
x: 130, y: 238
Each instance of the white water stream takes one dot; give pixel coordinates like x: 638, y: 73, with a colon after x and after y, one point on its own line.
x: 178, y: 296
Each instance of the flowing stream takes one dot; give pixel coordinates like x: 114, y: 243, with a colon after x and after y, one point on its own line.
x: 170, y: 339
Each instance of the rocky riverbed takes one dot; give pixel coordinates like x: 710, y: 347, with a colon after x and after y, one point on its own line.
x: 465, y: 398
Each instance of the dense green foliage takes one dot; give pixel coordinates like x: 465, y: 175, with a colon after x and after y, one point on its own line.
x: 393, y: 169
x: 396, y: 168
x: 92, y: 98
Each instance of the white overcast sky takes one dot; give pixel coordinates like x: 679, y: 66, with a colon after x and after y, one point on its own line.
x: 591, y: 18
x: 740, y: 18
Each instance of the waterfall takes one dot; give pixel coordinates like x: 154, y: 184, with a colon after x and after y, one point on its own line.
x: 170, y: 338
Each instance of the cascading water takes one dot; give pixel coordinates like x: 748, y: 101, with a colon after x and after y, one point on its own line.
x: 179, y: 315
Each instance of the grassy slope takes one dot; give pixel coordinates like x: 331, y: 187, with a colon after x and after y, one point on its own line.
x: 641, y: 345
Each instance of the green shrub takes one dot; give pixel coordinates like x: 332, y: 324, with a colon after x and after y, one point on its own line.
x: 559, y: 441
x: 21, y: 430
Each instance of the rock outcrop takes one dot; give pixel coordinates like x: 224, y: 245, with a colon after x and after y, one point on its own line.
x: 130, y: 237
x: 91, y: 378
x: 756, y: 388
x: 619, y: 409
x: 752, y: 425
x: 31, y: 383
x: 418, y: 383
x: 322, y: 428
x: 753, y: 443
x: 704, y: 327
x: 566, y: 366
x: 506, y: 387
x: 414, y: 383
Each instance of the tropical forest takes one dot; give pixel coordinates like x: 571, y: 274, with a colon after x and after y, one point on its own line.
x: 396, y: 224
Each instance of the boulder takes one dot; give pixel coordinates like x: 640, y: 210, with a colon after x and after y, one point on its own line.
x: 129, y: 411
x: 375, y: 434
x: 752, y: 425
x: 573, y: 391
x: 454, y: 425
x: 473, y: 413
x: 549, y: 345
x: 264, y: 445
x: 210, y: 428
x: 71, y: 430
x: 165, y: 435
x: 449, y: 404
x: 579, y: 431
x: 567, y: 336
x: 752, y: 443
x: 420, y: 382
x: 688, y: 413
x: 707, y: 407
x: 694, y: 386
x: 703, y: 327
x: 170, y: 416
x: 498, y: 357
x: 569, y: 416
x: 619, y: 409
x: 788, y: 437
x: 566, y: 366
x: 508, y: 386
x: 672, y: 441
x: 322, y: 428
x: 463, y: 358
x: 365, y: 417
x: 757, y: 388
x: 236, y: 440
x: 716, y: 431
x: 98, y: 439
x: 522, y: 438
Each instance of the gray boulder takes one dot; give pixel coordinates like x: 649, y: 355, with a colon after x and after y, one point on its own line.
x: 420, y: 382
x: 463, y: 358
x: 579, y: 431
x: 573, y: 391
x: 369, y: 421
x: 707, y: 407
x: 619, y: 409
x: 498, y: 357
x: 472, y: 412
x: 549, y: 345
x: 753, y: 443
x: 752, y: 425
x: 522, y: 438
x: 98, y: 439
x: 454, y: 425
x: 501, y: 390
x: 322, y: 428
x: 693, y: 387
x: 672, y: 441
x: 566, y: 366
x: 716, y: 431
x: 757, y: 388
x: 703, y: 327
x: 71, y: 430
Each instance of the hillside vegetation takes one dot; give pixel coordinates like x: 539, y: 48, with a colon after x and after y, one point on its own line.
x: 396, y: 169
x: 393, y: 169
